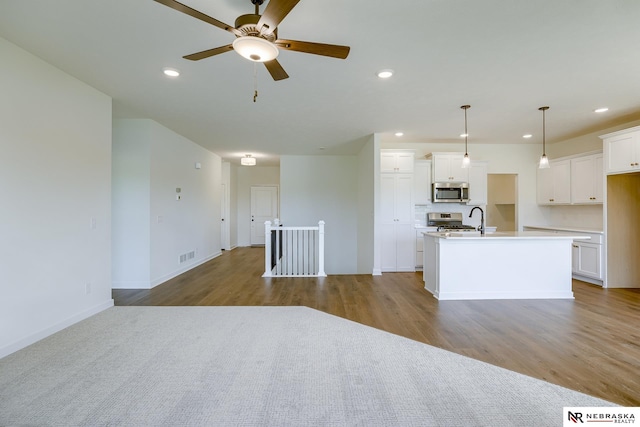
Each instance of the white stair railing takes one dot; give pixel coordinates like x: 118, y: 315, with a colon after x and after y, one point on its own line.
x: 293, y: 251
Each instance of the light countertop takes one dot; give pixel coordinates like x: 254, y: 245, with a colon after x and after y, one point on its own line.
x: 506, y: 235
x: 570, y: 229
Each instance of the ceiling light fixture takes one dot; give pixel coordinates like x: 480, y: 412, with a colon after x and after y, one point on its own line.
x: 465, y: 160
x: 255, y: 49
x: 385, y: 74
x: 527, y: 136
x: 399, y: 134
x: 248, y: 160
x: 171, y: 72
x: 544, y: 161
x: 601, y: 110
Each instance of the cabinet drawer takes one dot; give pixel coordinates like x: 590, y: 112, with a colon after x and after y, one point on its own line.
x: 596, y: 238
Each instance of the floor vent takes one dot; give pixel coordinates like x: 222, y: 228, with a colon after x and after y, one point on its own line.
x: 187, y: 257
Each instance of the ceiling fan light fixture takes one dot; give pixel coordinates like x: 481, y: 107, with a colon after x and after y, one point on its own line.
x: 248, y: 160
x: 255, y: 49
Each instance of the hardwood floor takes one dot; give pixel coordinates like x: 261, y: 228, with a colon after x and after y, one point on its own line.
x: 590, y: 344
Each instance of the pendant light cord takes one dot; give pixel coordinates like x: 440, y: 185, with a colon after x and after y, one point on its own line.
x: 466, y: 133
x: 544, y: 131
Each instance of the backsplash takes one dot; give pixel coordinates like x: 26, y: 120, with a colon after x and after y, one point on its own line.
x: 422, y: 210
x: 576, y: 216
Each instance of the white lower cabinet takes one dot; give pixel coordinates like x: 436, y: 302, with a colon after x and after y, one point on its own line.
x: 398, y: 247
x: 586, y: 259
x: 419, y: 248
x: 586, y: 255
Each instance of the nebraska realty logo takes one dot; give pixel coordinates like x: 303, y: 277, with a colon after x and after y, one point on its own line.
x: 600, y: 415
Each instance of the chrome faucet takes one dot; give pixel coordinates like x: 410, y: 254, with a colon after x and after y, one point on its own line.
x: 481, y: 227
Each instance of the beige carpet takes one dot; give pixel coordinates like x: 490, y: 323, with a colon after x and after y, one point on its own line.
x: 260, y: 366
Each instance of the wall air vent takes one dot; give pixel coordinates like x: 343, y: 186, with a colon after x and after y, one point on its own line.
x: 187, y: 257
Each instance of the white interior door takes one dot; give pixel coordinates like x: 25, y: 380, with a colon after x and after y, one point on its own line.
x: 224, y: 223
x: 264, y: 207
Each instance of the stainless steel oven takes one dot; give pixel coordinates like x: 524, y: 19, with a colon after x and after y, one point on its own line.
x: 450, y: 192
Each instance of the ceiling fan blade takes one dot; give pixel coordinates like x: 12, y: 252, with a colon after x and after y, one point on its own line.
x: 276, y: 70
x: 332, y: 50
x: 273, y: 14
x: 199, y: 15
x: 208, y: 53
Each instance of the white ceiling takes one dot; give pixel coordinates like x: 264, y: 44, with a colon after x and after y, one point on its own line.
x: 505, y: 58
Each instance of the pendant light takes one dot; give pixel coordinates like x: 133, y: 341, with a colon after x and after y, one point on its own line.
x: 465, y: 160
x: 544, y: 161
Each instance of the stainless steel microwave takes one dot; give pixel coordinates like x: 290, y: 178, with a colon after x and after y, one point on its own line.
x: 450, y: 192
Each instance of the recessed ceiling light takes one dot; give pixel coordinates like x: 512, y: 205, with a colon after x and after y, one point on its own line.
x: 601, y: 110
x: 527, y: 135
x: 399, y: 134
x: 171, y: 72
x: 462, y: 135
x: 385, y: 74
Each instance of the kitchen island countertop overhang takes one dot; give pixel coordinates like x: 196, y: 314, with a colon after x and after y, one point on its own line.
x: 505, y: 265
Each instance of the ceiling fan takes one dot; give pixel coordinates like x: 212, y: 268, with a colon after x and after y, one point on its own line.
x: 257, y: 36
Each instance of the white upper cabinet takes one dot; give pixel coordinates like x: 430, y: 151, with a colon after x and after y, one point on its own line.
x: 447, y: 167
x: 477, y: 183
x: 396, y: 161
x: 622, y: 151
x: 422, y: 182
x: 587, y: 179
x: 554, y: 183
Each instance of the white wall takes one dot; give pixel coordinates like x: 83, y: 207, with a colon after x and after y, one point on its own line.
x: 55, y: 184
x: 249, y: 176
x: 315, y: 188
x: 131, y: 194
x: 366, y: 206
x: 147, y: 214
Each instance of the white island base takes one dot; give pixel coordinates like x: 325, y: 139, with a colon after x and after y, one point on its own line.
x: 519, y: 265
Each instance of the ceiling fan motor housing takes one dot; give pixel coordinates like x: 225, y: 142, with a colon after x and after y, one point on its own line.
x: 247, y: 25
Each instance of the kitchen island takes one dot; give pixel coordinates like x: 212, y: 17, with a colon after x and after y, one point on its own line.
x: 507, y: 265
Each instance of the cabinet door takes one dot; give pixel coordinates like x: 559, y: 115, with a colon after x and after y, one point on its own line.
x: 589, y: 260
x: 477, y: 183
x: 405, y: 247
x: 441, y: 167
x: 388, y: 247
x: 561, y: 181
x: 387, y: 162
x: 387, y: 198
x: 598, y: 174
x: 403, y: 199
x: 404, y: 162
x: 422, y: 182
x: 448, y: 167
x: 586, y: 179
x: 458, y: 173
x: 397, y: 162
x: 575, y: 257
x: 621, y: 153
x: 544, y: 188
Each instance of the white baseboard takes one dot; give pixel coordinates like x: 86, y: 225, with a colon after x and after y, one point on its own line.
x: 27, y: 341
x: 162, y: 279
x: 141, y: 284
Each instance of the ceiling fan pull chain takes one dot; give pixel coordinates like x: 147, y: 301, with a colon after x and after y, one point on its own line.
x: 255, y: 81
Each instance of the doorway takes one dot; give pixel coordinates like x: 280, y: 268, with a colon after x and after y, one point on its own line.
x: 502, y: 197
x: 224, y: 224
x: 264, y: 207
